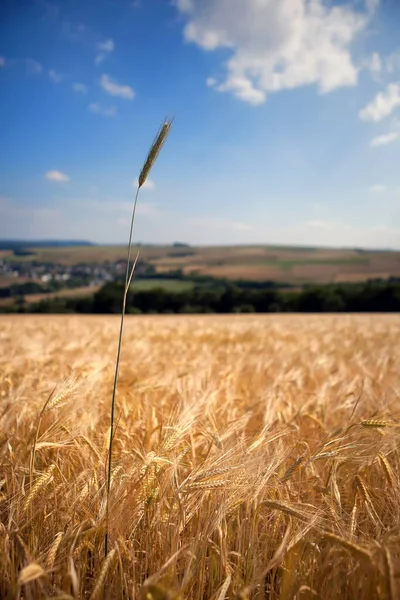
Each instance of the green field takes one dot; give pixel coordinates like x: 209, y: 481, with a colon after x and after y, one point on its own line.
x: 138, y: 285
x: 170, y: 285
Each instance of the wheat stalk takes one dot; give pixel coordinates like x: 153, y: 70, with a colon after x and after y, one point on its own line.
x: 150, y: 160
x: 391, y: 575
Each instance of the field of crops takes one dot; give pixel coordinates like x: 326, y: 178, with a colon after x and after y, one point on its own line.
x: 255, y: 457
x: 282, y: 264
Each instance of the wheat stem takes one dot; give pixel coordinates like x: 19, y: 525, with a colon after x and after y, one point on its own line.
x: 121, y: 329
x: 150, y: 160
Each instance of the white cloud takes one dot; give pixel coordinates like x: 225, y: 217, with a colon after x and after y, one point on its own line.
x: 57, y: 176
x: 392, y: 62
x: 34, y: 67
x: 243, y: 89
x: 378, y: 189
x: 115, y: 89
x: 54, y: 76
x: 99, y: 59
x: 109, y: 111
x: 105, y: 48
x: 382, y: 105
x: 375, y: 63
x: 276, y: 45
x: 382, y: 140
x: 2, y: 61
x: 80, y: 88
x: 136, y: 4
x: 148, y: 184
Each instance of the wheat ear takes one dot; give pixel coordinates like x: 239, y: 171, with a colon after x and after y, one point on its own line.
x: 387, y: 469
x: 150, y: 160
x: 51, y: 556
x: 154, y: 152
x: 98, y: 588
x: 30, y: 573
x: 39, y: 485
x: 373, y: 423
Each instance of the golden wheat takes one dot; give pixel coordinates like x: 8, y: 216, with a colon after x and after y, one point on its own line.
x: 355, y: 549
x: 53, y: 550
x: 264, y: 469
x: 99, y: 587
x: 387, y: 469
x: 42, y: 481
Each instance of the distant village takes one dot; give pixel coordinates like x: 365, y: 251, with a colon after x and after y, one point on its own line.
x: 88, y: 274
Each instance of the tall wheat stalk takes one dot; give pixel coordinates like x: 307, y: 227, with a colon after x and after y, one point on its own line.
x: 144, y: 173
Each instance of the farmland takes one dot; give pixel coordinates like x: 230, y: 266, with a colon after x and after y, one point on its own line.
x: 65, y: 278
x: 254, y: 457
x: 281, y: 264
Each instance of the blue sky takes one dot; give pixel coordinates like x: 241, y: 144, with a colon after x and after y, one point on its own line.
x: 286, y: 120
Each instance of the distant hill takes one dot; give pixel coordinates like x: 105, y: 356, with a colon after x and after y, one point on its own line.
x: 16, y: 244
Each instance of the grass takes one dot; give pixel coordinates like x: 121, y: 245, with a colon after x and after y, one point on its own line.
x: 170, y: 285
x: 254, y: 457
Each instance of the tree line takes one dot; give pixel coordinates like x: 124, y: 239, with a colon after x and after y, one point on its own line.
x: 370, y: 296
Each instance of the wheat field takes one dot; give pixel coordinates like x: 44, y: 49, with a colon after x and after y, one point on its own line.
x: 254, y: 457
